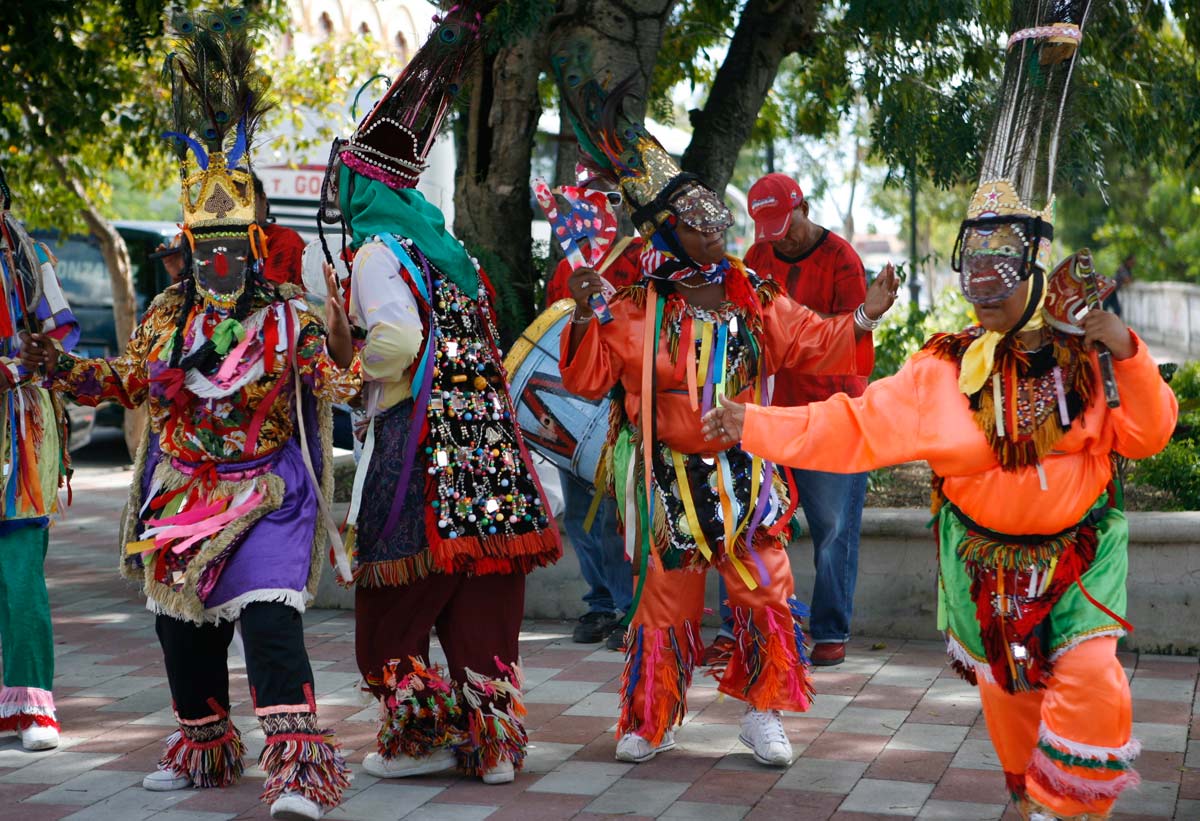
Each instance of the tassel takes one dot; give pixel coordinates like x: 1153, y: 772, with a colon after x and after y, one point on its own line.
x: 421, y: 709
x: 214, y: 763
x: 307, y: 763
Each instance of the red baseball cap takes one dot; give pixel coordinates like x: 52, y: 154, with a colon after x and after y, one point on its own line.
x: 772, y: 200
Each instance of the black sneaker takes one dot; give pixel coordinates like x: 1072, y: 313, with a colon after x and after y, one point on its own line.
x: 616, y: 639
x: 593, y: 627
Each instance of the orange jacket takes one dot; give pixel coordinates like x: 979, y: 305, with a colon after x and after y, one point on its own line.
x: 793, y: 337
x: 919, y: 414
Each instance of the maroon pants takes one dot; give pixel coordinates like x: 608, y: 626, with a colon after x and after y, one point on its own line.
x: 474, y: 707
x: 478, y: 619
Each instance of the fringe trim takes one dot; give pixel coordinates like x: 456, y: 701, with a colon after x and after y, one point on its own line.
x: 986, y: 552
x: 421, y: 711
x: 664, y: 679
x: 316, y: 560
x: 185, y: 604
x: 480, y: 556
x: 394, y: 572
x: 495, y: 735
x: 968, y: 667
x: 1126, y: 752
x: 216, y: 763
x: 1075, y: 641
x: 24, y: 707
x: 1067, y: 760
x: 1076, y: 787
x: 1015, y: 784
x: 132, y: 567
x: 307, y: 763
x: 769, y: 668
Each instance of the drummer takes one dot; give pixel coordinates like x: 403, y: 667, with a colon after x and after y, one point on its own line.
x: 601, y: 552
x: 697, y: 326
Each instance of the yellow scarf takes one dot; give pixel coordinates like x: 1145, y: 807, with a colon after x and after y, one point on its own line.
x: 977, y: 362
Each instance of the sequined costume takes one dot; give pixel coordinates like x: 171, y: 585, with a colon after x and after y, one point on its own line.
x: 447, y: 517
x: 227, y: 518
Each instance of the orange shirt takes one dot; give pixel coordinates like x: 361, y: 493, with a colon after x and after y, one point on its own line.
x: 919, y: 414
x: 793, y: 337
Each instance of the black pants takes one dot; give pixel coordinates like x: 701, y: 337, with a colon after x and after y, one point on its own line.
x: 196, y: 658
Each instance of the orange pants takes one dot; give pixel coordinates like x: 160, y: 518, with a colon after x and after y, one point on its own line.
x: 768, y: 668
x: 1068, y: 747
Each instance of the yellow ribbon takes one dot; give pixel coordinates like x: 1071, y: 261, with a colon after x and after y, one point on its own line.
x: 977, y: 362
x: 689, y: 506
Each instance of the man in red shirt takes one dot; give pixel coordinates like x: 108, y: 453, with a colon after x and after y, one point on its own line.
x: 601, y: 551
x: 821, y: 271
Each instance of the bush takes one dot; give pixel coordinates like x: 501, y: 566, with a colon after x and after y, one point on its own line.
x: 1176, y: 470
x: 904, y: 332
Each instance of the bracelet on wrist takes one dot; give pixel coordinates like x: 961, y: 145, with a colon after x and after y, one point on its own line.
x: 863, y: 321
x: 582, y: 320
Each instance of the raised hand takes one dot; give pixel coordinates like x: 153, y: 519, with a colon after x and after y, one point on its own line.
x: 583, y: 283
x: 1109, y: 330
x: 881, y: 295
x: 725, y: 422
x: 337, y: 324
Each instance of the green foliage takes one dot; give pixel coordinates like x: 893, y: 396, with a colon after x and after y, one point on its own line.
x: 512, y: 310
x: 903, y: 332
x: 1176, y: 470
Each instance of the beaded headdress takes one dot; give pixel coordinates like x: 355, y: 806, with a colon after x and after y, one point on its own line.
x: 217, y: 101
x: 1005, y: 236
x: 619, y: 147
x: 392, y: 141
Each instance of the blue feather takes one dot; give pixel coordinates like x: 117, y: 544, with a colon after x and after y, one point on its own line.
x: 239, y: 146
x: 197, y: 149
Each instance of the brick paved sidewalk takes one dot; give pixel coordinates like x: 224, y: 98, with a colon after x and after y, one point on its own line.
x: 892, y: 732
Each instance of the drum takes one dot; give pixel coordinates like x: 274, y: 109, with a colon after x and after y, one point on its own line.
x: 566, y: 429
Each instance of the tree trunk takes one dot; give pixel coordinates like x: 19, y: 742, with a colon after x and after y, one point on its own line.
x: 120, y: 276
x: 767, y: 31
x: 492, y: 208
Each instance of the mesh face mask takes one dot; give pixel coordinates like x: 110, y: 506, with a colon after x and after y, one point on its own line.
x: 995, y: 254
x: 699, y: 208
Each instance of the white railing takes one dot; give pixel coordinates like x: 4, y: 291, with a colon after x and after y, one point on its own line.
x: 1166, y: 313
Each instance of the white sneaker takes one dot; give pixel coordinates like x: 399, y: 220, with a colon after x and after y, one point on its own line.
x: 292, y: 806
x: 762, y: 732
x: 502, y: 773
x: 635, y: 749
x: 402, y: 766
x: 166, y: 781
x: 35, y: 737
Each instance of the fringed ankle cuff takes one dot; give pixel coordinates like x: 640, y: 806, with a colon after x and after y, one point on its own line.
x: 658, y: 672
x: 1087, y: 777
x: 208, y: 751
x: 494, y: 734
x: 1015, y: 784
x: 421, y: 711
x: 300, y: 758
x: 24, y: 707
x: 769, y: 666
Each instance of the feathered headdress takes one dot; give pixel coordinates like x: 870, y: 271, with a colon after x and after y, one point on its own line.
x: 217, y: 101
x: 1006, y: 234
x: 392, y: 141
x: 619, y: 148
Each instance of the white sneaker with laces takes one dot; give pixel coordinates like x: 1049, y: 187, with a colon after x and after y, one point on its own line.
x: 762, y: 732
x: 403, y: 766
x: 166, y: 781
x: 35, y: 737
x: 292, y: 806
x: 502, y: 773
x: 635, y: 749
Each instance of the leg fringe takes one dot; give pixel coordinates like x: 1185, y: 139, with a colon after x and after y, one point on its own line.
x: 421, y: 711
x: 493, y: 733
x: 664, y: 678
x: 769, y: 667
x: 310, y: 764
x: 1080, y: 788
x: 210, y: 754
x: 1015, y: 782
x: 23, y: 707
x: 1126, y: 752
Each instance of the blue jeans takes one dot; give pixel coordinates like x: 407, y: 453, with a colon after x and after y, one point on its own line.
x: 833, y: 504
x: 601, y: 552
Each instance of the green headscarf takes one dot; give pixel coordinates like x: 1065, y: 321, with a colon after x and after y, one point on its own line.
x: 371, y: 208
